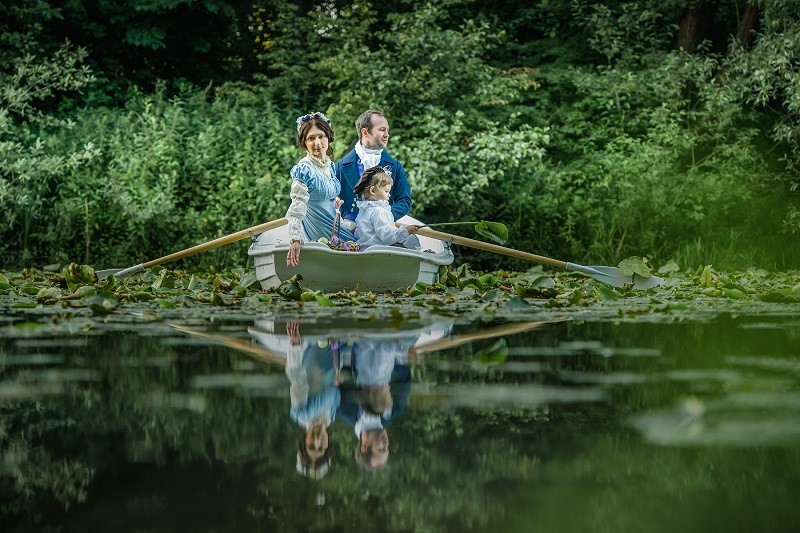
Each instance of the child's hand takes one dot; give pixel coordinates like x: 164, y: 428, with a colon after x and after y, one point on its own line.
x: 337, y: 202
x: 412, y: 229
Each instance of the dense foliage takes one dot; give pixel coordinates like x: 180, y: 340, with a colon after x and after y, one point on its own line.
x: 593, y: 130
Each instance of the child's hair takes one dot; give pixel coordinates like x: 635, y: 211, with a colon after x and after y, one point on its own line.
x: 372, y: 177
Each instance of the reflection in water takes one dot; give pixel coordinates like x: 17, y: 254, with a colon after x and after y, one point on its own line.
x: 569, y: 425
x: 360, y: 376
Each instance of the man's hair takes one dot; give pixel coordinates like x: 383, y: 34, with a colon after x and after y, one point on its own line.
x: 372, y: 177
x: 326, y: 128
x: 364, y: 459
x: 364, y: 120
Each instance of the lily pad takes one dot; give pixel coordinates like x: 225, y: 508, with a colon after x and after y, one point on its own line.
x: 494, y: 231
x: 291, y: 288
x: 634, y: 265
x: 78, y: 275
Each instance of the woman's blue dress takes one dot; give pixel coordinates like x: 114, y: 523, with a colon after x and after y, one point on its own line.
x: 322, y: 189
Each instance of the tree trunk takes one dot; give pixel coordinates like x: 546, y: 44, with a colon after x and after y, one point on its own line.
x: 695, y: 22
x: 747, y: 25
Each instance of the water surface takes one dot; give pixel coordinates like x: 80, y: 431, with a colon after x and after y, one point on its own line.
x: 594, y: 420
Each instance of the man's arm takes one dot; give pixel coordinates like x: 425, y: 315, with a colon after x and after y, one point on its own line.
x: 401, y: 193
x: 346, y: 192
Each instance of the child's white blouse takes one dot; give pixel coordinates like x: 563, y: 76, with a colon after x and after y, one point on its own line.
x: 375, y: 224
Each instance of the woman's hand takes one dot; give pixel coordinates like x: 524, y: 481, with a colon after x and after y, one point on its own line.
x: 293, y: 257
x: 337, y: 203
x: 412, y: 229
x: 293, y: 330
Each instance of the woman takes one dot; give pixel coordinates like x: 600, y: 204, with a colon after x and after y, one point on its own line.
x: 315, y: 399
x: 315, y: 189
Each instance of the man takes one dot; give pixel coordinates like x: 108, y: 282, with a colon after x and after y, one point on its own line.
x: 370, y: 151
x: 376, y: 394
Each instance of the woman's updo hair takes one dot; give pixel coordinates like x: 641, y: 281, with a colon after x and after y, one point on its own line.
x: 305, y: 124
x: 372, y: 177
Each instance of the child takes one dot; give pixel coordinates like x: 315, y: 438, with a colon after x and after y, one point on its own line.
x: 375, y: 223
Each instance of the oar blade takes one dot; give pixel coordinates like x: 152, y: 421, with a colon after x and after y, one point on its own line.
x: 614, y: 277
x: 103, y: 274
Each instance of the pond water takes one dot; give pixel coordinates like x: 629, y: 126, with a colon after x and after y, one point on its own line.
x: 591, y: 420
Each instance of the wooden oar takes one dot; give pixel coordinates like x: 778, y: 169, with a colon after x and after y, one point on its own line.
x: 458, y: 340
x: 233, y: 237
x: 609, y: 275
x: 242, y: 345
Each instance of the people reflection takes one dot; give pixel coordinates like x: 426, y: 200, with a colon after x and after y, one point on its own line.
x: 375, y: 394
x: 315, y: 399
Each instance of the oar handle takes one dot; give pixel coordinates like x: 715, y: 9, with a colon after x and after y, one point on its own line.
x: 233, y: 237
x: 480, y: 245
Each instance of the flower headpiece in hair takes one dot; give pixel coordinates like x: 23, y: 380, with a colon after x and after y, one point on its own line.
x: 367, y: 178
x: 310, y: 116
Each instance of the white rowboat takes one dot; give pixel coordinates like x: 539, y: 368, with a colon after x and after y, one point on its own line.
x: 376, y: 269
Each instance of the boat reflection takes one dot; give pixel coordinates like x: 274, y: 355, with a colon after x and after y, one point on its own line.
x: 360, y: 372
x: 361, y: 376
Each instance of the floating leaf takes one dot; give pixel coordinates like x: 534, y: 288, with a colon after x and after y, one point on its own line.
x: 634, y: 265
x: 517, y: 303
x: 307, y: 296
x: 165, y: 280
x: 101, y: 304
x: 781, y: 296
x: 670, y: 267
x: 323, y: 300
x: 604, y: 293
x: 248, y: 279
x: 734, y: 293
x: 706, y: 277
x: 30, y: 289
x: 166, y: 304
x: 291, y: 288
x: 488, y: 281
x: 494, y: 231
x: 48, y: 295
x: 77, y: 275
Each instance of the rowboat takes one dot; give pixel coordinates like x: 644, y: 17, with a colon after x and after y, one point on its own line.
x: 382, y: 336
x: 376, y: 269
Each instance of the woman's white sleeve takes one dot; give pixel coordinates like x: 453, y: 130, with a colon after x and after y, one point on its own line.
x: 297, y: 209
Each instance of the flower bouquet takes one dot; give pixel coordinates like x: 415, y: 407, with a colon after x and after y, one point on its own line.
x: 335, y: 243
x: 343, y: 246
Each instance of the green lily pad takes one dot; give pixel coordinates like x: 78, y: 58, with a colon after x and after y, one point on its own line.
x: 77, y: 275
x: 494, y: 231
x: 291, y: 288
x: 671, y: 267
x: 101, y: 304
x: 323, y: 300
x: 634, y: 265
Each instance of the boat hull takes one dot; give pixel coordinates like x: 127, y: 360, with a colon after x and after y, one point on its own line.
x: 376, y: 269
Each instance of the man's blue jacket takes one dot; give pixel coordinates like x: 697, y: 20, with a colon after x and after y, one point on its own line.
x: 347, y: 172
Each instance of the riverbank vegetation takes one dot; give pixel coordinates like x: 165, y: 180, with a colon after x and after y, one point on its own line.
x: 595, y: 131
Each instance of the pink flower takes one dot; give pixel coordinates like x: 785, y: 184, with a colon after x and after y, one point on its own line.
x: 346, y: 246
x: 334, y: 239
